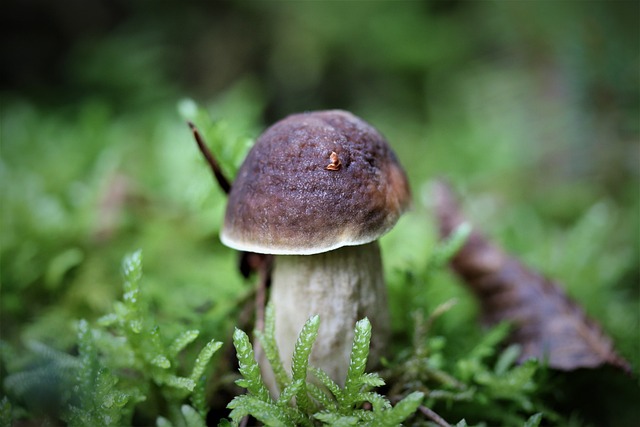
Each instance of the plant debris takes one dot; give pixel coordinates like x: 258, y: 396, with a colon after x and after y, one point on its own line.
x: 222, y: 180
x: 546, y: 323
x: 249, y: 262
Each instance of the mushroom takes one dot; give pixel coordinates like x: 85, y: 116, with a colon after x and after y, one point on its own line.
x: 317, y: 190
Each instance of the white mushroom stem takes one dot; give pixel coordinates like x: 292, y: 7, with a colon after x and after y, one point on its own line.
x: 342, y: 286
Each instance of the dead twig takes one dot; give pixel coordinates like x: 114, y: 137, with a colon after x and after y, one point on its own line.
x: 433, y: 416
x: 223, y: 182
x: 249, y: 262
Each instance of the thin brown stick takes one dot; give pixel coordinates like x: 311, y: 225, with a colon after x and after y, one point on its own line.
x: 433, y: 416
x: 249, y: 262
x: 223, y: 182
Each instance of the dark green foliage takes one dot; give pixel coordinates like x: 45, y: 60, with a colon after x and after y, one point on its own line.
x: 483, y: 384
x: 328, y: 404
x: 300, y: 361
x: 5, y: 412
x: 534, y: 420
x: 249, y: 368
x: 42, y: 380
x: 478, y: 384
x: 132, y: 333
x: 122, y: 361
x: 143, y: 343
x: 270, y: 349
x: 100, y: 402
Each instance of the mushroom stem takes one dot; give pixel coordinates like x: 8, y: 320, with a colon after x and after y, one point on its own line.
x: 342, y: 286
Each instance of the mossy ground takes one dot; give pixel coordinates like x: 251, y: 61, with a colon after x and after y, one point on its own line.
x: 528, y: 108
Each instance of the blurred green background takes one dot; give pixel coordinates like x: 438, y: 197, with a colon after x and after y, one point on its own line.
x: 530, y: 108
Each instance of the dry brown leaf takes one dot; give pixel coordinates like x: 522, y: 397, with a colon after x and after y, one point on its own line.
x: 547, y: 324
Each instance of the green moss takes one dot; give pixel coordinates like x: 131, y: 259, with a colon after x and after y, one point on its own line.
x: 531, y: 115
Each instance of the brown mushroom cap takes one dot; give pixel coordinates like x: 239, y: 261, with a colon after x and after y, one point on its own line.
x: 314, y: 182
